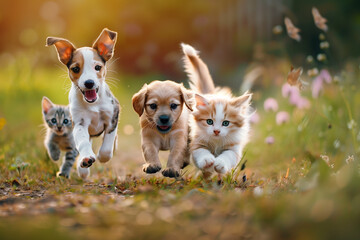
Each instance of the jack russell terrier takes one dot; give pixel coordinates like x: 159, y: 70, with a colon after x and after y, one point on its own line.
x: 93, y: 107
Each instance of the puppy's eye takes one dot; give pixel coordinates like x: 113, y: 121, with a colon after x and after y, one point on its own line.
x: 66, y: 121
x: 153, y: 106
x: 76, y: 69
x: 97, y: 67
x: 173, y: 106
x: 209, y: 121
x: 53, y: 120
x: 225, y: 123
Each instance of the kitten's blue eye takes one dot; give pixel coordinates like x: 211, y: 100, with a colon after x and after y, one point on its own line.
x: 173, y: 106
x: 53, y: 120
x: 225, y: 123
x: 153, y: 106
x: 209, y: 121
x: 66, y: 121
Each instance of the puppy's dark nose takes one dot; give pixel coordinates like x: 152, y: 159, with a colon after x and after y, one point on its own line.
x: 89, y: 84
x: 164, y: 119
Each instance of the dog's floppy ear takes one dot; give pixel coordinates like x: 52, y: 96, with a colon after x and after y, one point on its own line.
x: 105, y: 44
x: 64, y: 48
x: 46, y: 104
x: 188, y: 97
x: 138, y: 100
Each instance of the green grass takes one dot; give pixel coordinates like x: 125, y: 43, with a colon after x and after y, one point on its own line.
x: 289, y: 192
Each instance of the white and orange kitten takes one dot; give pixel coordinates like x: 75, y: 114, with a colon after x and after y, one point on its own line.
x: 220, y: 127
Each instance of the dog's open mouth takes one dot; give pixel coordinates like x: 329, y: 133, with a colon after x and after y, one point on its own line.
x: 163, y: 128
x: 90, y: 95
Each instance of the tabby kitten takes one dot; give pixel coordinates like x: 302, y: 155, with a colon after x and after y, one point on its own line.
x: 220, y: 127
x: 59, y: 135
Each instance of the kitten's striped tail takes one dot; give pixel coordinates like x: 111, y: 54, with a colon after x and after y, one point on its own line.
x: 197, y: 71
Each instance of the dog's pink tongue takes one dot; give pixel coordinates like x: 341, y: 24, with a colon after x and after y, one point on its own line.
x: 90, y: 95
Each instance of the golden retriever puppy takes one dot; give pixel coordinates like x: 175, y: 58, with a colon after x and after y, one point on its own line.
x: 164, y: 108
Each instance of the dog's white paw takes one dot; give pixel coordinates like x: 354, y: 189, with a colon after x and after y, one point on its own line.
x: 83, y: 172
x: 105, y: 156
x: 86, y: 162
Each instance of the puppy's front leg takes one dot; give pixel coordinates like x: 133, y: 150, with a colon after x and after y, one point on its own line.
x: 178, y: 152
x: 107, y: 148
x: 83, y: 144
x: 150, y: 152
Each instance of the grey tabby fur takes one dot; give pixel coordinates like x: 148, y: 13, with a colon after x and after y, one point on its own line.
x: 59, y: 136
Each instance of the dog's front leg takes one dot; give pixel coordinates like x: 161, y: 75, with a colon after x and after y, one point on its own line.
x: 83, y: 145
x: 150, y: 152
x: 178, y: 152
x: 107, y: 148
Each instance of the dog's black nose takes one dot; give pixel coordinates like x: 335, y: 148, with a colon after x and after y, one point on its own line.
x: 89, y: 84
x: 164, y: 119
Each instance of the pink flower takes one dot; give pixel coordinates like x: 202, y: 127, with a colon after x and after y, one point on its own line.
x: 295, y: 98
x: 316, y: 87
x: 325, y: 75
x: 318, y: 82
x: 255, y: 118
x: 282, y: 117
x: 286, y: 90
x: 269, y: 140
x: 271, y: 104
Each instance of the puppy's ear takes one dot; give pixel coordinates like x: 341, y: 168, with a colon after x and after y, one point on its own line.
x: 105, y: 44
x: 138, y: 100
x: 46, y: 105
x: 64, y: 48
x: 188, y: 97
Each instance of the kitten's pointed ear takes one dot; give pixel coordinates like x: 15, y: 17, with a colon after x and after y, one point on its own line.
x: 243, y: 103
x: 242, y: 100
x: 105, y: 44
x: 64, y: 48
x: 46, y: 105
x: 201, y: 101
x: 138, y: 100
x: 187, y: 97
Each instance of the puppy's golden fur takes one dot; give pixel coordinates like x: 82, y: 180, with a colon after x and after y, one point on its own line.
x: 164, y: 108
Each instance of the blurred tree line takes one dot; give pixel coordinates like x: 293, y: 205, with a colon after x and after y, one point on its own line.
x: 227, y: 32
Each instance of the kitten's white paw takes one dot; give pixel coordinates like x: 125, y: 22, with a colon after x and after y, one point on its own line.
x: 205, y: 162
x: 220, y: 167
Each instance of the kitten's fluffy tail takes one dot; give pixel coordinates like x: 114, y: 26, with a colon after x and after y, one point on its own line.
x: 197, y: 71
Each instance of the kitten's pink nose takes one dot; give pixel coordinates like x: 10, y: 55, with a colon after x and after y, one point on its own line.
x: 216, y: 132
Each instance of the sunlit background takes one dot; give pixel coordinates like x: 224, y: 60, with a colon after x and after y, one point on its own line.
x: 301, y: 178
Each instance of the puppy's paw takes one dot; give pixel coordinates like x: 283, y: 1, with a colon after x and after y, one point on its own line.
x: 86, y: 162
x: 83, y: 172
x: 105, y: 156
x: 151, y: 168
x: 171, y: 173
x: 63, y: 174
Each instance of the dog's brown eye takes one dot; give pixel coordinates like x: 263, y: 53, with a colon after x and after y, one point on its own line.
x: 97, y: 67
x: 153, y: 106
x: 76, y: 69
x: 173, y: 106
